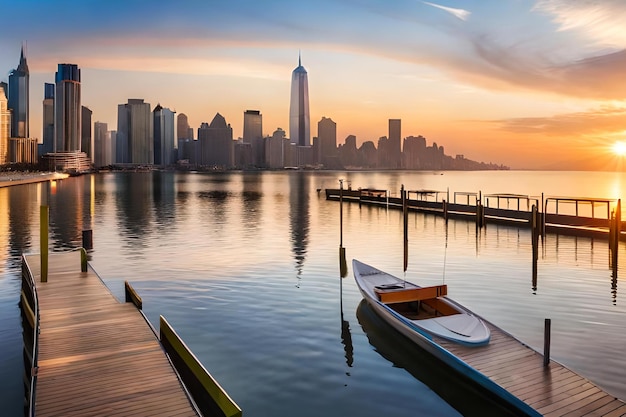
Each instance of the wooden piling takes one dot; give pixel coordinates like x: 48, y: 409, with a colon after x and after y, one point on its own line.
x: 546, y: 342
x: 88, y: 239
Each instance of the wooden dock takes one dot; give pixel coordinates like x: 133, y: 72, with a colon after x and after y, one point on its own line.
x: 552, y: 390
x: 98, y: 356
x: 477, y: 209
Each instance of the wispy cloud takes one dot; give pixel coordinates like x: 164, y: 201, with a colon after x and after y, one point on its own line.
x: 603, y: 21
x: 605, y: 121
x: 458, y: 13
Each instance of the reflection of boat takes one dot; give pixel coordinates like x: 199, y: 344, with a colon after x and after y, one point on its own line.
x: 419, y: 312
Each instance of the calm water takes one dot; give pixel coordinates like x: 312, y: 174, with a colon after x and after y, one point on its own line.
x: 245, y: 267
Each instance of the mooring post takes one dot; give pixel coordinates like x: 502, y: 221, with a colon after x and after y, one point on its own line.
x: 88, y: 239
x: 83, y: 260
x: 445, y: 209
x: 546, y: 343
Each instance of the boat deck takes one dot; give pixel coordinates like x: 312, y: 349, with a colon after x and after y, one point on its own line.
x: 98, y: 356
x: 553, y: 390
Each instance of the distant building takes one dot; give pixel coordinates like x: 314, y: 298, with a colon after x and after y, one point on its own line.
x: 100, y: 136
x: 299, y: 120
x: 414, y: 152
x: 394, y: 144
x: 135, y: 142
x: 275, y: 149
x: 67, y: 109
x: 5, y: 127
x: 253, y: 134
x: 48, y: 119
x: 327, y: 134
x: 86, y: 138
x: 183, y: 131
x: 165, y: 152
x: 216, y: 144
x: 18, y: 95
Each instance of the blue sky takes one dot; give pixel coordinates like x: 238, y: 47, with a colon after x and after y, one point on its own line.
x: 531, y: 84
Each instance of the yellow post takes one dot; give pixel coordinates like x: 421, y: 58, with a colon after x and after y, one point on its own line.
x: 83, y: 260
x: 43, y: 242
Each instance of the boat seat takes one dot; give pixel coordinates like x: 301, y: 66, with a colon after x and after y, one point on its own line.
x: 404, y: 295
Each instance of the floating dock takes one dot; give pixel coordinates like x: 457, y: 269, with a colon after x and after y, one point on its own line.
x: 93, y: 355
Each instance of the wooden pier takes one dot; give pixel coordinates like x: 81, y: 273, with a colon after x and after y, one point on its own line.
x: 98, y: 356
x: 552, y: 390
x: 545, y: 214
x: 94, y: 355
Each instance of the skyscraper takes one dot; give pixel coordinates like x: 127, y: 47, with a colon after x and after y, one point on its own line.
x: 163, y: 131
x: 183, y: 131
x: 216, y: 143
x: 5, y: 127
x: 299, y: 120
x: 67, y: 110
x: 48, y: 119
x: 327, y: 134
x: 18, y: 98
x: 86, y: 138
x: 395, y: 143
x: 100, y: 133
x: 253, y: 134
x: 135, y: 144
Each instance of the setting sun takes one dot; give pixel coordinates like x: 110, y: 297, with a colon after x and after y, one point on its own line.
x: 619, y: 148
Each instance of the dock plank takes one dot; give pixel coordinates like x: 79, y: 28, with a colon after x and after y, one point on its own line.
x: 98, y: 356
x: 553, y: 390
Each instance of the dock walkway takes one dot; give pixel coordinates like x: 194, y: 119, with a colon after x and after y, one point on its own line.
x: 98, y: 356
x: 553, y: 390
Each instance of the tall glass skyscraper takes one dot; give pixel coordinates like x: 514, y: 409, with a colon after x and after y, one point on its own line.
x: 299, y: 120
x: 18, y: 98
x: 67, y: 109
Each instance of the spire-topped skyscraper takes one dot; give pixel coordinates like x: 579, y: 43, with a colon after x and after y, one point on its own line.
x: 299, y: 120
x: 18, y: 98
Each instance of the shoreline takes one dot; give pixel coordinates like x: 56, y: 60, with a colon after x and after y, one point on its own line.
x: 8, y: 179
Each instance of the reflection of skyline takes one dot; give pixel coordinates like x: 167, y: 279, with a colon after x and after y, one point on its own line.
x: 299, y: 216
x: 164, y: 198
x: 252, y: 198
x: 133, y: 204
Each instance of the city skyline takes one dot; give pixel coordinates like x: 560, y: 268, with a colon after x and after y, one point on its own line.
x: 529, y: 84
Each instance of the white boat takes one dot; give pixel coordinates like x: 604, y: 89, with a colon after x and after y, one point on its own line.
x: 419, y: 312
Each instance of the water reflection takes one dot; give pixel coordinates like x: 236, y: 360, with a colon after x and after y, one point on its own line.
x: 19, y: 216
x: 133, y: 205
x: 164, y: 199
x: 251, y: 201
x: 299, y: 217
x: 402, y: 353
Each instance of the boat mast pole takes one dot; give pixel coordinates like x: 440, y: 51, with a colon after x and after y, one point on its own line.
x: 405, y: 212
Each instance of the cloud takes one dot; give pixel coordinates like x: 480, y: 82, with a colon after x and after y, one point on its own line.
x: 605, y: 121
x: 458, y: 13
x: 602, y: 21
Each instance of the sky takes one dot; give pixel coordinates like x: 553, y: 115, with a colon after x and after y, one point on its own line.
x: 529, y: 84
